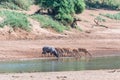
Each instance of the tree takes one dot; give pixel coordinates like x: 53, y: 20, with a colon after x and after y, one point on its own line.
x: 63, y: 10
x: 79, y: 6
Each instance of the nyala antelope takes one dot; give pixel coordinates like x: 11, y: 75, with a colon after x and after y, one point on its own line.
x: 60, y: 51
x: 78, y: 52
x: 65, y: 52
x: 85, y: 51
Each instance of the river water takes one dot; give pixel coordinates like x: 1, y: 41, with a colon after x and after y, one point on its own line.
x: 63, y: 64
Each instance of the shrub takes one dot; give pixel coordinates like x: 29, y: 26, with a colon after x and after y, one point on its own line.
x: 16, y: 4
x: 108, y: 4
x: 9, y: 5
x: 63, y: 10
x: 112, y: 16
x: 14, y: 19
x: 24, y: 4
x: 79, y: 6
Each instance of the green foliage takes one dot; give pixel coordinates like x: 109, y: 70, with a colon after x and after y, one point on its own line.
x: 24, y: 4
x: 79, y: 6
x: 63, y: 10
x: 48, y: 22
x: 14, y: 19
x: 45, y: 3
x: 66, y: 19
x: 8, y: 5
x: 16, y: 4
x: 108, y: 4
x: 112, y: 16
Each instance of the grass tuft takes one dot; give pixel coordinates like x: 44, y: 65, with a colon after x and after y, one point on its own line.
x: 48, y: 22
x: 16, y: 4
x: 14, y: 19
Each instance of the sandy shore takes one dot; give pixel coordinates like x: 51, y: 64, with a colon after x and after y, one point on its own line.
x: 27, y: 49
x: 70, y: 75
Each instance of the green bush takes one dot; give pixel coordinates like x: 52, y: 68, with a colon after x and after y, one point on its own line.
x: 63, y: 10
x: 108, y: 4
x: 112, y: 16
x: 14, y: 19
x: 24, y: 4
x: 79, y: 6
x: 9, y: 5
x: 16, y: 4
x: 48, y: 22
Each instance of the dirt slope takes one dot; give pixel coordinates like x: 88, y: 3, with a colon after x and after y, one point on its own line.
x: 87, y: 25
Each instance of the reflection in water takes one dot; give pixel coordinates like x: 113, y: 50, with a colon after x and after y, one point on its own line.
x: 63, y: 64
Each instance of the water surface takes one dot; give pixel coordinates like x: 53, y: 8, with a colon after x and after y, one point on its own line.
x: 64, y: 64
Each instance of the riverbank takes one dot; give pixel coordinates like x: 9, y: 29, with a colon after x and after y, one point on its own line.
x: 69, y: 75
x: 30, y: 49
x: 99, y: 41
